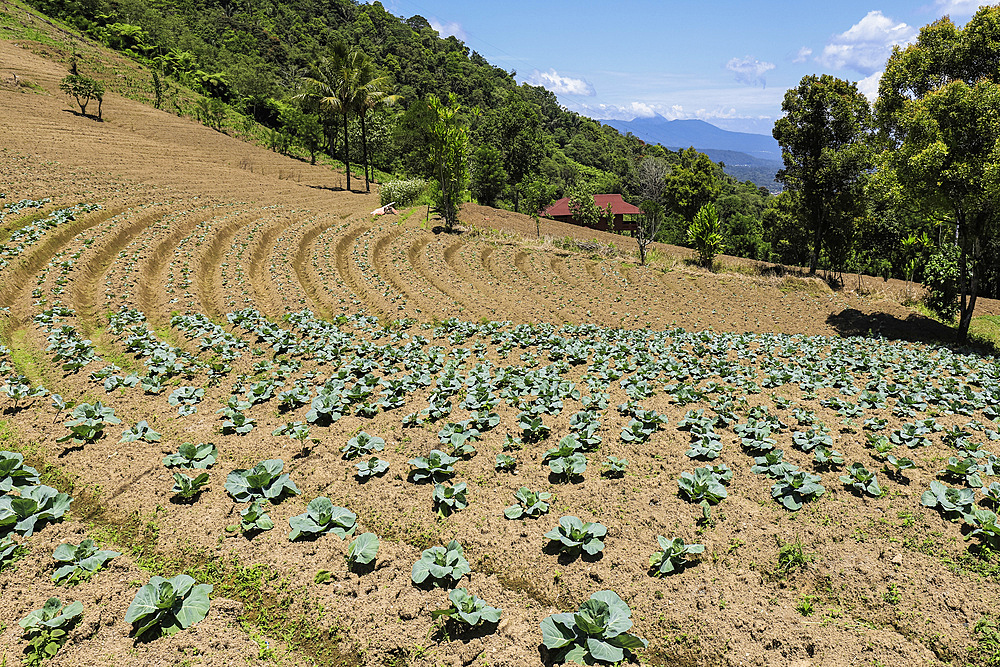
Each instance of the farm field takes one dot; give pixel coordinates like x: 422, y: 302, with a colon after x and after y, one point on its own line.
x: 223, y: 294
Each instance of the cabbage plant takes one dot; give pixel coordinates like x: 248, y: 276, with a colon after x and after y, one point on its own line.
x: 529, y: 504
x: 436, y: 466
x: 87, y: 423
x: 672, y: 558
x: 79, y: 562
x: 441, y: 566
x: 361, y: 445
x: 265, y: 480
x: 373, y: 467
x: 255, y: 517
x: 595, y: 634
x: 468, y: 609
x: 35, y: 507
x: 362, y: 550
x: 796, y: 488
x: 188, y: 488
x: 861, y: 480
x: 189, y: 455
x: 573, y: 536
x: 952, y: 503
x: 47, y: 629
x: 164, y: 607
x: 448, y: 499
x: 321, y: 517
x: 14, y: 474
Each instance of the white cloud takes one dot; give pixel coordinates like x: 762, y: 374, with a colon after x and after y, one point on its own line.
x: 867, y: 44
x: 958, y: 7
x: 869, y: 86
x: 561, y: 85
x: 447, y: 28
x: 802, y: 55
x: 749, y: 70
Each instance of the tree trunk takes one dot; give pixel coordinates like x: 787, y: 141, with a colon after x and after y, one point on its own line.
x: 347, y: 155
x: 968, y: 281
x: 364, y: 152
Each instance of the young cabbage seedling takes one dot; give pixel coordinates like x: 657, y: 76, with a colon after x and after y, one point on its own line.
x: 672, y: 557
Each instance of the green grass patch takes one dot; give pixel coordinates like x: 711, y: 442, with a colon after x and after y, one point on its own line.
x: 25, y: 358
x: 987, y: 649
x: 985, y: 330
x: 106, y: 350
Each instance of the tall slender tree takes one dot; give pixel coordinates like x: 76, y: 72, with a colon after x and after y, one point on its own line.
x: 332, y: 86
x: 372, y: 90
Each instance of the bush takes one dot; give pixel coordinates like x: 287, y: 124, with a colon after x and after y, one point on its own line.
x: 941, y: 281
x: 705, y: 234
x: 403, y: 193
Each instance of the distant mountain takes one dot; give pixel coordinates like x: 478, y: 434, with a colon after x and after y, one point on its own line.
x: 753, y: 157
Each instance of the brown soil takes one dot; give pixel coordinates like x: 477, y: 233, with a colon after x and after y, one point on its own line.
x: 195, y: 221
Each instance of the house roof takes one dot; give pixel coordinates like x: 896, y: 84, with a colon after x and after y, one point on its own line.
x: 618, y: 206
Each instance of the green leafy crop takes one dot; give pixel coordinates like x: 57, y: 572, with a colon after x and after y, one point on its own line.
x: 88, y: 422
x: 595, y: 634
x: 862, y: 480
x: 166, y: 606
x: 362, y: 550
x: 14, y: 474
x: 79, y: 562
x: 529, y: 504
x: 322, y: 516
x: 796, y: 488
x: 448, y: 499
x: 47, y: 629
x: 36, y: 506
x: 265, y: 480
x: 574, y: 536
x: 672, y: 557
x: 441, y: 566
x: 468, y: 609
x: 188, y: 488
x: 203, y: 455
x: 436, y: 466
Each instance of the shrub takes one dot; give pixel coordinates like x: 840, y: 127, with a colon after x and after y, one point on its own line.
x: 403, y: 193
x: 597, y: 633
x: 941, y: 281
x: 705, y: 234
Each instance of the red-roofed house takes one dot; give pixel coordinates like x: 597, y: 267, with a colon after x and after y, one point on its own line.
x: 619, y: 208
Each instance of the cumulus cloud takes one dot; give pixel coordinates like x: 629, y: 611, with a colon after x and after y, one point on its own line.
x: 958, y: 7
x: 561, y: 85
x: 869, y: 86
x: 447, y: 28
x: 867, y: 44
x: 749, y: 71
x: 802, y: 55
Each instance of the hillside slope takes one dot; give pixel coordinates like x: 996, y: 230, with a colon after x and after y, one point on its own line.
x: 206, y: 251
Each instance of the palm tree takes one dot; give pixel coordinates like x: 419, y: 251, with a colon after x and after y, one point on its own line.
x: 371, y: 92
x: 333, y: 87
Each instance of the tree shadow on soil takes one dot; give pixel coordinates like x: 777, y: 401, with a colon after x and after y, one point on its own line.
x: 915, y: 328
x: 84, y: 115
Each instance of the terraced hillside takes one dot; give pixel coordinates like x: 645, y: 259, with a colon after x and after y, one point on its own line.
x: 223, y: 294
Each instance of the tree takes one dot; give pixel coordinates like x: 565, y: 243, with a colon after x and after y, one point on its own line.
x: 488, y: 175
x: 823, y: 145
x: 83, y: 89
x: 450, y: 141
x: 651, y: 174
x: 939, y: 108
x: 515, y: 129
x: 371, y: 91
x: 690, y: 184
x: 585, y: 209
x: 332, y: 86
x: 538, y: 195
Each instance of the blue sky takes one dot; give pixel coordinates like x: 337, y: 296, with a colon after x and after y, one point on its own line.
x: 723, y: 61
